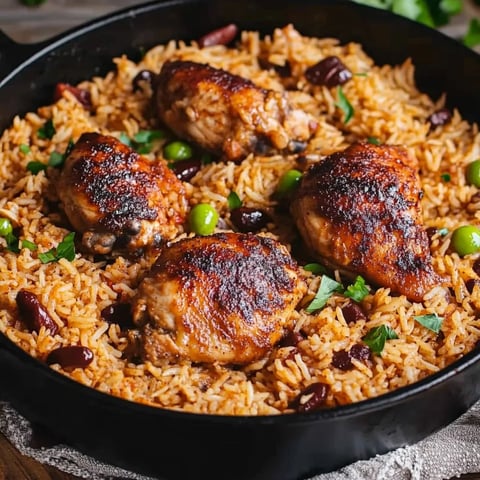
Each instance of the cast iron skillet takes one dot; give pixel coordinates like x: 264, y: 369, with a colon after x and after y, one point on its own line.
x: 176, y: 445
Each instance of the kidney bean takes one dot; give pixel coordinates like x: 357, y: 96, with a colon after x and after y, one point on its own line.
x: 440, y: 117
x: 143, y: 76
x: 33, y: 313
x: 291, y: 339
x: 329, y: 72
x: 119, y: 313
x: 74, y: 356
x: 248, y: 219
x: 220, y: 36
x: 185, y: 170
x: 352, y: 312
x: 312, y: 398
x: 83, y: 96
x: 342, y: 360
x: 470, y: 284
x: 476, y: 266
x: 361, y: 352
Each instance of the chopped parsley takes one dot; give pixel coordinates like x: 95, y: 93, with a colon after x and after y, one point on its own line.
x: 377, y: 336
x: 29, y: 245
x: 65, y: 249
x: 431, y: 321
x: 327, y: 288
x: 35, y: 166
x: 315, y: 268
x: 344, y: 105
x: 12, y: 242
x: 358, y: 290
x: 47, y: 130
x: 233, y: 200
x: 142, y: 142
x: 446, y: 177
x: 374, y: 141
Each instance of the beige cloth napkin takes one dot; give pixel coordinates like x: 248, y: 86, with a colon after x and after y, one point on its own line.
x: 452, y: 451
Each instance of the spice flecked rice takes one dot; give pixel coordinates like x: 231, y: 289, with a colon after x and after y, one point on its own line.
x: 387, y: 106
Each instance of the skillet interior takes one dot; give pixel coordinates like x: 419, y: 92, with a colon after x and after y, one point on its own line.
x: 179, y: 445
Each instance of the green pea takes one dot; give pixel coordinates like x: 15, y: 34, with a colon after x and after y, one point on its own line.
x: 466, y: 240
x: 203, y: 219
x: 473, y: 173
x: 5, y: 227
x: 177, y: 151
x: 288, y: 182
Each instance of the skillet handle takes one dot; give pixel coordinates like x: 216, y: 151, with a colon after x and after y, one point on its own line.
x: 12, y: 54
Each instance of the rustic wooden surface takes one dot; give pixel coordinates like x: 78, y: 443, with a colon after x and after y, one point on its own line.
x: 29, y: 25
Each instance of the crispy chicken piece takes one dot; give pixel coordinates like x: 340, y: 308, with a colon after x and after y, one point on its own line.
x: 227, y: 114
x: 117, y: 199
x: 224, y: 298
x: 359, y: 210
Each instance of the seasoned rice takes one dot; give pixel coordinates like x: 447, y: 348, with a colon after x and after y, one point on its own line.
x: 387, y: 105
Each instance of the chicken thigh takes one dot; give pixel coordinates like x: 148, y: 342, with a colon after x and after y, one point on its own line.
x: 117, y: 199
x: 359, y: 210
x: 224, y: 298
x: 227, y: 114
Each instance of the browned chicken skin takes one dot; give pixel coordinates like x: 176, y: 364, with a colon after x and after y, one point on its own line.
x: 227, y: 114
x: 117, y: 199
x: 224, y: 298
x: 359, y: 210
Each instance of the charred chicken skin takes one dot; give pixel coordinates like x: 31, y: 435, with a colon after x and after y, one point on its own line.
x: 359, y: 210
x: 224, y: 298
x: 227, y: 114
x: 117, y: 199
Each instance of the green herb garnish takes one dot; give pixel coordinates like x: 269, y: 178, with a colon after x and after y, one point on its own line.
x: 47, y: 130
x: 446, y: 177
x: 56, y: 159
x: 35, y: 166
x: 377, y: 336
x: 12, y: 242
x: 327, y: 288
x: 142, y: 141
x: 29, y: 245
x: 357, y: 291
x: 373, y: 140
x: 315, y: 268
x: 344, y: 105
x: 233, y: 200
x: 65, y: 249
x: 472, y: 37
x: 32, y: 3
x: 431, y: 321
x: 24, y: 148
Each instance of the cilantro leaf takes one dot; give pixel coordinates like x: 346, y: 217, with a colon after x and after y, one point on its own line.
x: 65, y: 249
x: 377, y: 336
x: 344, y: 105
x: 125, y: 139
x: 357, y: 291
x: 147, y: 136
x: 472, y: 37
x: 29, y: 245
x: 431, y: 321
x: 327, y: 288
x: 47, y: 130
x: 374, y: 141
x: 446, y: 177
x: 35, y: 166
x: 315, y: 268
x: 233, y: 200
x: 12, y: 242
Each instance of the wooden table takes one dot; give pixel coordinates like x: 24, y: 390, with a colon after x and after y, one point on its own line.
x: 39, y: 23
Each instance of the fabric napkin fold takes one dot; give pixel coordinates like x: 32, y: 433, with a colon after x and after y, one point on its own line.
x: 452, y: 451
